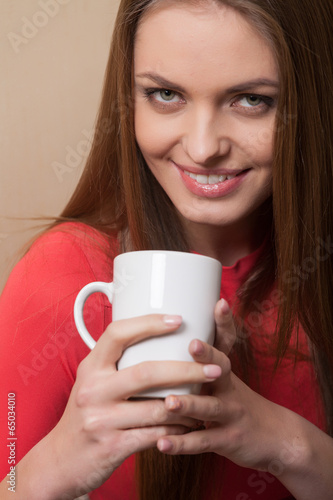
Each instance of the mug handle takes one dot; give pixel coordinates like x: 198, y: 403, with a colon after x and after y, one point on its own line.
x: 96, y: 286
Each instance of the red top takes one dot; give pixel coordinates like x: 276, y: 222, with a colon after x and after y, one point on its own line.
x: 41, y: 350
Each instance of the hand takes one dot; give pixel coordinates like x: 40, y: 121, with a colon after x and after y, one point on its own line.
x: 100, y: 426
x: 239, y: 423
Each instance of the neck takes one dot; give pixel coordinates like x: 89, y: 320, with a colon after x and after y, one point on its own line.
x: 228, y: 244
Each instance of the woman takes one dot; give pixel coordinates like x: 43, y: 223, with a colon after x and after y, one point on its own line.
x: 213, y: 136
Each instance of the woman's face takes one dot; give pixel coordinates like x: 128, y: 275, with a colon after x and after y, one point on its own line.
x: 206, y: 88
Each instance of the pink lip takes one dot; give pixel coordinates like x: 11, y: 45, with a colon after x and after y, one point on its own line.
x: 212, y: 190
x: 206, y: 171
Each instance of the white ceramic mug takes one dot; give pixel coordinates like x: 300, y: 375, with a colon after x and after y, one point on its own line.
x: 161, y: 282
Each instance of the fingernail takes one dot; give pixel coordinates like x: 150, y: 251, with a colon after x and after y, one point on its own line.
x: 225, y: 307
x: 198, y: 347
x: 173, y: 403
x: 172, y: 320
x: 164, y: 445
x: 212, y: 371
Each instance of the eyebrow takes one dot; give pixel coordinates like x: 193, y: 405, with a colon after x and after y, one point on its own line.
x: 248, y: 85
x: 159, y: 80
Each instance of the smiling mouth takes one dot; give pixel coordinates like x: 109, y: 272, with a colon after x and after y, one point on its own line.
x: 211, y: 178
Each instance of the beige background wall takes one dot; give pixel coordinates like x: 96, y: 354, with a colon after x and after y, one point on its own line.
x: 52, y: 59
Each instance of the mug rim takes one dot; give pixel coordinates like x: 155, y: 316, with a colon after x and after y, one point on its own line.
x: 192, y: 255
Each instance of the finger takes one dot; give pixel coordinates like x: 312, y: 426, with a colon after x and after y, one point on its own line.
x: 123, y: 333
x: 135, y: 414
x: 205, y: 353
x: 202, y: 408
x: 143, y: 438
x: 156, y: 374
x: 224, y: 339
x: 225, y: 327
x: 201, y: 441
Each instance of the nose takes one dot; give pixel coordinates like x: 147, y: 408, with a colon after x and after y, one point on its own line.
x: 205, y: 137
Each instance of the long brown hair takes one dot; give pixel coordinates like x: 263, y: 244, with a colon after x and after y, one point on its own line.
x: 118, y: 194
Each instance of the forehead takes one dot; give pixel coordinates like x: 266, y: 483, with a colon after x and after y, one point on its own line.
x: 197, y: 39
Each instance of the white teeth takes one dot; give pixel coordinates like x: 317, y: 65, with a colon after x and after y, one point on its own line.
x: 214, y: 179
x: 209, y: 179
x: 202, y: 179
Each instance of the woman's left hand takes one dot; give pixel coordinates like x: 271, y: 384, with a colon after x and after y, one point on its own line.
x: 237, y: 422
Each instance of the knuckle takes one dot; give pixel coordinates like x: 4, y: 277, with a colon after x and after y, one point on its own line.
x: 187, y: 405
x: 226, y: 364
x: 83, y: 396
x: 90, y: 424
x: 180, y: 447
x: 239, y: 412
x: 159, y: 414
x: 83, y: 369
x: 216, y: 410
x: 115, y: 331
x: 209, y: 354
x: 236, y: 437
x: 131, y: 439
x: 204, y: 444
x: 87, y: 389
x: 118, y: 334
x: 142, y: 373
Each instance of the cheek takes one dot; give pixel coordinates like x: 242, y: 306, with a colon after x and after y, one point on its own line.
x: 258, y: 145
x: 145, y: 131
x: 154, y: 135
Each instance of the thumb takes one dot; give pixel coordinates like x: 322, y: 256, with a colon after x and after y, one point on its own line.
x: 225, y: 327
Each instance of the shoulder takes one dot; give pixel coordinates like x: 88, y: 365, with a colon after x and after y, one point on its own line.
x: 58, y: 264
x: 73, y: 245
x: 69, y: 252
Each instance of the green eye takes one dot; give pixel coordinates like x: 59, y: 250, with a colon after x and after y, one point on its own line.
x: 167, y: 95
x: 253, y: 100
x: 163, y: 98
x: 253, y: 103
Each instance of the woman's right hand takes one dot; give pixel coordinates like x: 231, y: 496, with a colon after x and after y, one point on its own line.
x: 100, y: 426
